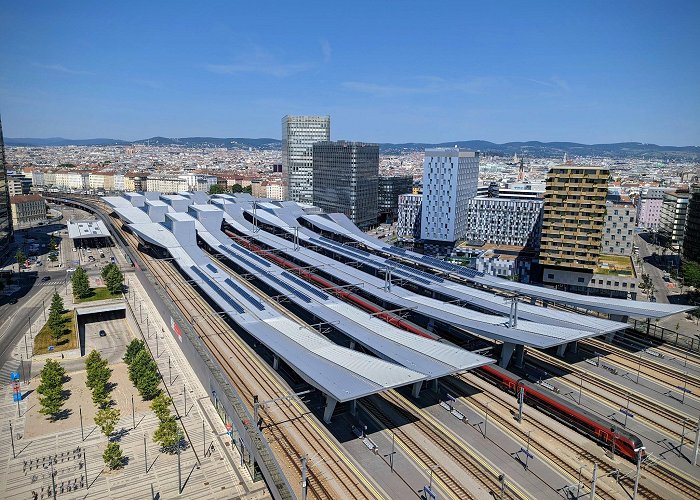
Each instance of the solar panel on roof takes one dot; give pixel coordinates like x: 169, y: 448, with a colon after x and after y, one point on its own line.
x: 305, y: 285
x: 245, y: 294
x: 223, y: 295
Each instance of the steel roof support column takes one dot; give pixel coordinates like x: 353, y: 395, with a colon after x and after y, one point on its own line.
x: 561, y: 349
x: 415, y: 391
x: 352, y: 345
x: 609, y: 337
x: 519, y: 355
x: 574, y: 346
x: 330, y: 407
x: 275, y: 363
x: 353, y: 407
x: 506, y: 354
x: 436, y: 387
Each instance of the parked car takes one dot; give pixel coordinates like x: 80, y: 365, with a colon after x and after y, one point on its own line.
x: 103, y: 333
x: 46, y: 278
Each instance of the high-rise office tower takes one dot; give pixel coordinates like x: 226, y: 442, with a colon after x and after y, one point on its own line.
x: 6, y: 233
x: 299, y: 133
x: 345, y: 179
x: 574, y: 216
x: 691, y: 242
x: 450, y: 178
x: 390, y: 187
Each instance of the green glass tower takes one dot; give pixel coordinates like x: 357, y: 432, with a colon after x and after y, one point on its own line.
x: 6, y: 232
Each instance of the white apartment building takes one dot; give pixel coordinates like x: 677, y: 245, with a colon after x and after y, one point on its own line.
x: 450, y: 178
x: 199, y: 182
x: 299, y: 133
x: 166, y: 183
x: 101, y: 181
x: 275, y: 191
x: 408, y: 226
x: 72, y: 180
x: 618, y: 235
x: 649, y: 206
x: 119, y: 182
x: 503, y: 221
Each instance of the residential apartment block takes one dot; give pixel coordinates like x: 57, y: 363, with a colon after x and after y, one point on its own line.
x: 503, y: 221
x: 674, y: 212
x: 409, y: 218
x: 27, y: 209
x: 619, y: 229
x: 574, y: 216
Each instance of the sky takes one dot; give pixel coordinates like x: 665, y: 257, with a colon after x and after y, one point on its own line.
x: 404, y: 71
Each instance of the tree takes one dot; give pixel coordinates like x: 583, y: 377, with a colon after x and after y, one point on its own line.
x: 216, y: 189
x: 236, y: 188
x: 53, y: 256
x: 161, y: 407
x: 134, y: 347
x: 106, y: 419
x: 168, y: 434
x: 52, y: 244
x: 51, y: 388
x: 114, y: 280
x: 98, y: 373
x: 56, y: 302
x: 248, y: 189
x: 148, y: 384
x: 691, y: 273
x: 81, y: 284
x: 112, y: 456
x: 143, y: 372
x: 20, y: 258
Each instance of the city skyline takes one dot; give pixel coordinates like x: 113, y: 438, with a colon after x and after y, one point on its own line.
x: 390, y: 73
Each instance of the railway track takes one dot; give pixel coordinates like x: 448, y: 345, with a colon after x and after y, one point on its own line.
x: 670, y: 376
x: 331, y: 474
x: 450, y: 445
x: 660, y: 470
x: 662, y: 411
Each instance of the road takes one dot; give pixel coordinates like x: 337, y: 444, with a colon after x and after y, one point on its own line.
x: 14, y: 317
x: 656, y: 274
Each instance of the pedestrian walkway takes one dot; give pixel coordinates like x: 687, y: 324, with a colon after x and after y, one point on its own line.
x: 69, y: 460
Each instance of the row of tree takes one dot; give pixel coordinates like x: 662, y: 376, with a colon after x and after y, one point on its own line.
x: 236, y: 188
x: 107, y: 417
x: 143, y: 370
x: 51, y: 389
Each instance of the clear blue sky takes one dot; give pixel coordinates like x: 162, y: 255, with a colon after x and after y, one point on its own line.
x: 586, y: 71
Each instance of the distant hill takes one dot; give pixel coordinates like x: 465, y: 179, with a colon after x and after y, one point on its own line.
x: 530, y: 148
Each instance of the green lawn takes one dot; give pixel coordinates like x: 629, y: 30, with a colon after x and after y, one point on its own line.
x: 68, y: 341
x: 100, y: 293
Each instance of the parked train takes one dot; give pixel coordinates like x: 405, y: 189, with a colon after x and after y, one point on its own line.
x: 593, y: 426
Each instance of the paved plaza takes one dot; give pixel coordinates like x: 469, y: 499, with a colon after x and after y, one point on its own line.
x: 210, y: 467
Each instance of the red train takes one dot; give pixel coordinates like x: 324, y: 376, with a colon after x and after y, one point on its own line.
x: 593, y: 426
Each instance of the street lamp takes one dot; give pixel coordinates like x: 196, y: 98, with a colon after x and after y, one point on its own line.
x: 638, y: 451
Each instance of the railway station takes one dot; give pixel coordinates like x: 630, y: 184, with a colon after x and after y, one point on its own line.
x: 365, y: 325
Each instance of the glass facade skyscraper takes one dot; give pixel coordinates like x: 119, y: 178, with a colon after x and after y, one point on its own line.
x: 346, y: 176
x: 299, y: 133
x: 6, y: 233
